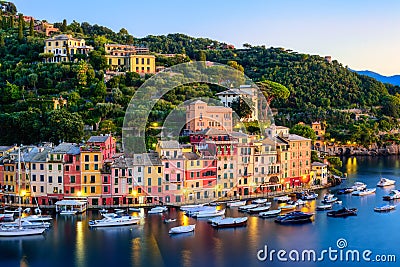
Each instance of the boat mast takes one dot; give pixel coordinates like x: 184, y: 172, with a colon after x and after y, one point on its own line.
x: 19, y: 186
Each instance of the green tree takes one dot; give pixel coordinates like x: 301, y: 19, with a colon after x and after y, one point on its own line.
x: 235, y: 65
x: 31, y: 28
x: 239, y: 105
x: 303, y: 130
x: 64, y: 26
x: 273, y: 90
x: 335, y: 162
x: 20, y: 29
x: 97, y: 60
x: 61, y: 125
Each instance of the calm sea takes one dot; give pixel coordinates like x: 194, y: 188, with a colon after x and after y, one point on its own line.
x: 70, y: 242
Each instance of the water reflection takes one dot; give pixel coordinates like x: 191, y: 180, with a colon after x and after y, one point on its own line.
x: 351, y: 165
x: 80, y: 244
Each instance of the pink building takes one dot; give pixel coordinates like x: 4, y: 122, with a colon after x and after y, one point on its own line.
x: 106, y: 143
x: 72, y: 168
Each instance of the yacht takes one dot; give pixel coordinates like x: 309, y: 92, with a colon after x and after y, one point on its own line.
x: 324, y: 207
x: 309, y: 196
x: 282, y: 198
x: 37, y: 218
x: 182, y: 229
x: 394, y: 194
x: 343, y: 212
x: 209, y: 213
x: 385, y: 182
x: 364, y: 192
x: 329, y: 198
x: 117, y: 221
x: 359, y: 186
x: 385, y: 208
x: 157, y: 210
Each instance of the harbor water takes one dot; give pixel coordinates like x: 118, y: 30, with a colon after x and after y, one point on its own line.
x: 70, y: 241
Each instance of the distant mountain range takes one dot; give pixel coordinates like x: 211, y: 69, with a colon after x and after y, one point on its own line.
x: 395, y: 79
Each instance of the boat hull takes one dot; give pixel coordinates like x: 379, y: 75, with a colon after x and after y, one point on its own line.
x: 21, y: 232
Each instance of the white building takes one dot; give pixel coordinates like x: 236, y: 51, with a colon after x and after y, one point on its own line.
x: 320, y: 173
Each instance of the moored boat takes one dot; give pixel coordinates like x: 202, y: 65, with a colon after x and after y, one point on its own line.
x: 359, y: 186
x: 329, y: 198
x: 236, y: 204
x: 364, y: 192
x: 37, y: 218
x: 259, y: 209
x: 324, y: 207
x: 259, y: 201
x: 157, y: 210
x: 189, y: 207
x: 309, y: 196
x: 346, y: 190
x: 394, y: 194
x: 287, y: 207
x: 68, y: 212
x: 26, y: 224
x: 246, y: 207
x: 230, y: 222
x: 207, y: 213
x: 117, y: 221
x: 385, y: 208
x: 343, y: 212
x: 169, y: 220
x: 270, y: 213
x: 385, y: 182
x: 294, y: 217
x: 182, y: 229
x: 282, y: 198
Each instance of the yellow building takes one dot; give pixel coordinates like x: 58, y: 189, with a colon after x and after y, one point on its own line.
x: 64, y: 47
x: 130, y: 58
x: 153, y: 177
x: 91, y: 159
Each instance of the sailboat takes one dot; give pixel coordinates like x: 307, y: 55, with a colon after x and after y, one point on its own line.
x: 19, y: 230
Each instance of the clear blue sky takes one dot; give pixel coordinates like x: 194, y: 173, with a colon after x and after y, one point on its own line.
x: 363, y: 34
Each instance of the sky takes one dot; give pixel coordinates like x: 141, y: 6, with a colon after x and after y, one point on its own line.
x: 360, y: 34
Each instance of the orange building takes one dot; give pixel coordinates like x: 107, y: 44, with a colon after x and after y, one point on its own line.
x: 200, y: 116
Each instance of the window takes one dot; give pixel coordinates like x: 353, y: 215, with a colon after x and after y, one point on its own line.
x: 96, y: 167
x: 166, y: 165
x: 78, y: 168
x: 85, y: 179
x: 178, y: 164
x: 105, y: 189
x: 85, y: 190
x: 139, y: 169
x: 92, y: 179
x: 116, y: 172
x: 191, y: 174
x: 34, y: 177
x: 167, y: 177
x: 72, y: 179
x: 67, y: 168
x: 59, y: 179
x: 116, y: 181
x: 50, y: 167
x: 50, y: 179
x: 159, y: 189
x: 72, y: 190
x: 86, y: 167
x: 42, y: 189
x: 149, y: 181
x: 59, y: 167
x: 166, y: 187
x: 159, y: 169
x: 159, y: 181
x: 148, y: 169
x: 139, y: 179
x: 149, y: 190
x: 42, y: 178
x: 92, y: 189
x: 123, y: 172
x: 86, y: 158
x: 34, y: 188
x: 34, y: 166
x: 106, y: 179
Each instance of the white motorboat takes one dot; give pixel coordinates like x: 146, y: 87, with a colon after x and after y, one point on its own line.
x: 359, y: 186
x: 215, y: 219
x: 182, y: 229
x: 364, y: 192
x: 157, y: 210
x: 236, y: 203
x: 324, y: 207
x: 259, y: 209
x: 26, y: 224
x: 282, y: 198
x: 189, y: 207
x: 117, y: 221
x: 270, y: 213
x: 246, y: 207
x: 300, y: 202
x: 6, y: 216
x: 259, y: 201
x: 18, y: 230
x: 309, y: 196
x: 385, y: 182
x: 194, y: 210
x: 230, y: 222
x: 329, y: 198
x: 394, y: 194
x: 110, y: 215
x: 205, y: 214
x: 37, y: 218
x: 385, y: 208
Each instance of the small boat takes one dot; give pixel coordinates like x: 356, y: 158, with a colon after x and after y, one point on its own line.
x: 230, y: 222
x: 287, y: 207
x: 346, y: 190
x: 26, y: 224
x: 259, y: 209
x: 324, y: 207
x: 385, y: 182
x: 20, y: 231
x: 194, y: 210
x: 37, y: 218
x: 329, y: 198
x: 385, y: 208
x: 157, y: 210
x: 182, y: 229
x: 364, y: 192
x: 205, y: 214
x: 68, y: 212
x: 169, y: 220
x: 110, y: 215
x: 189, y: 207
x: 309, y: 196
x: 294, y: 217
x: 300, y: 202
x: 134, y: 209
x: 259, y: 201
x: 117, y: 221
x: 215, y: 219
x: 359, y: 186
x: 270, y: 213
x: 343, y: 212
x: 394, y: 194
x: 246, y: 207
x: 236, y: 204
x: 282, y: 198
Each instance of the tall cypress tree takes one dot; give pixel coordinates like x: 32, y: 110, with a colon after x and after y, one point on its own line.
x: 11, y: 22
x: 20, y: 32
x: 31, y: 28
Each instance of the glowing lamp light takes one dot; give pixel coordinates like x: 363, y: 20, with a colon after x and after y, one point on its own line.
x: 79, y: 193
x: 23, y: 193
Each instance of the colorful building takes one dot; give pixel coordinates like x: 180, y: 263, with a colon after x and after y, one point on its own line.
x: 64, y: 47
x: 200, y: 116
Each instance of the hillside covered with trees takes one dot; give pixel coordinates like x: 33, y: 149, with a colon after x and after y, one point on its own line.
x: 319, y: 90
